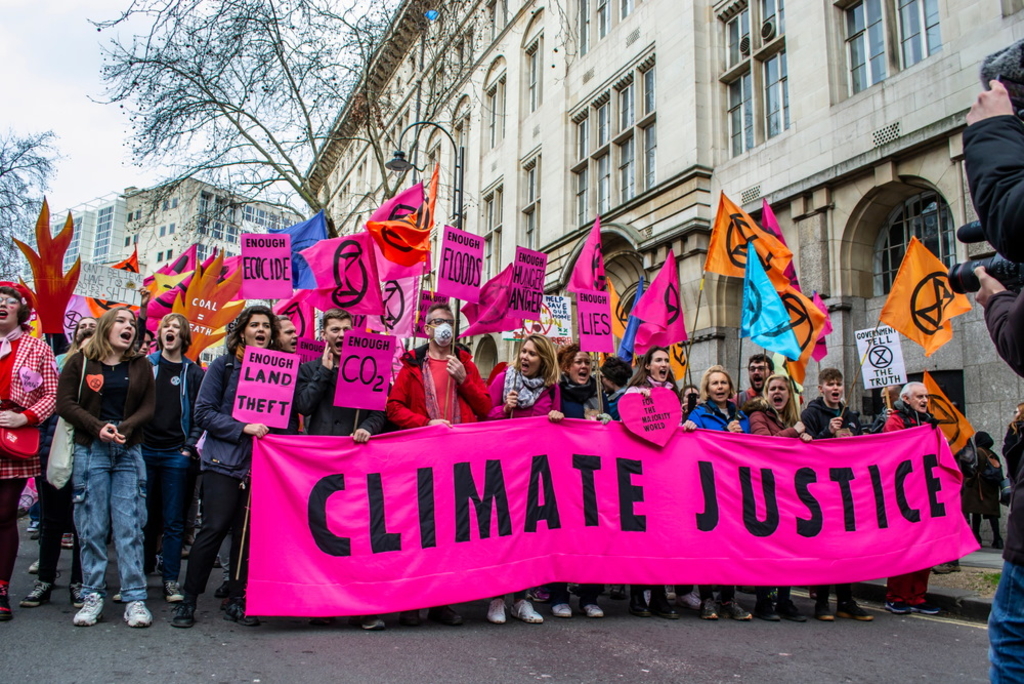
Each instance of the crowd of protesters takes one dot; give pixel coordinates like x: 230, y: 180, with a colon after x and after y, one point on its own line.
x: 149, y: 428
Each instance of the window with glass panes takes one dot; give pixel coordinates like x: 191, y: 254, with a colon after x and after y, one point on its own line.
x: 604, y: 17
x: 925, y: 216
x: 531, y: 206
x: 776, y: 95
x: 865, y: 41
x: 919, y: 30
x: 584, y: 27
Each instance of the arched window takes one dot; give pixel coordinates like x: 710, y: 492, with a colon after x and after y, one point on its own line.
x: 925, y: 216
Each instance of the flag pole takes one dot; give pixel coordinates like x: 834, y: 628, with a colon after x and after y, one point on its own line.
x: 860, y: 367
x: 689, y: 341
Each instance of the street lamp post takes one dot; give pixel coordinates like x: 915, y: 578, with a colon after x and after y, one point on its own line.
x: 399, y: 163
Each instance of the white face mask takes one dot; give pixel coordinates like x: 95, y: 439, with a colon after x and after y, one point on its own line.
x: 443, y: 334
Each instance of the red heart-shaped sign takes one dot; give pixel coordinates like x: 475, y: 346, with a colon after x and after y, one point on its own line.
x: 654, y: 418
x: 95, y: 382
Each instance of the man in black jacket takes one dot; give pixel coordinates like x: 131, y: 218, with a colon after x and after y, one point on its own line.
x: 828, y: 416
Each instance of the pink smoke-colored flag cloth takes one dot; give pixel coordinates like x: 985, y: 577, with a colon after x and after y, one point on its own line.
x: 301, y: 313
x: 772, y: 224
x: 482, y: 509
x: 402, y: 204
x: 400, y: 301
x: 345, y: 270
x: 820, y: 347
x: 588, y: 273
x: 661, y: 310
x: 491, y: 313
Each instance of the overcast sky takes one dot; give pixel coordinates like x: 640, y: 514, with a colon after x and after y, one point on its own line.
x: 51, y: 62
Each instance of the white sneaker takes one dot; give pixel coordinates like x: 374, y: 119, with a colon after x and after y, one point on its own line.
x: 691, y: 601
x: 523, y: 610
x: 91, y: 612
x: 592, y: 610
x: 670, y: 592
x: 496, y: 611
x: 561, y: 610
x: 34, y: 568
x: 137, y: 615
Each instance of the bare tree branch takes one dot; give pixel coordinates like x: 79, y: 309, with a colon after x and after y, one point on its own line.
x: 26, y: 168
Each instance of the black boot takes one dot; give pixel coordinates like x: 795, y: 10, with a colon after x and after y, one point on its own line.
x: 185, y: 612
x: 235, y: 611
x: 637, y: 603
x: 660, y: 605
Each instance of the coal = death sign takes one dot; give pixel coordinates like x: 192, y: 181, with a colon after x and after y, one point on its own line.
x: 882, y: 356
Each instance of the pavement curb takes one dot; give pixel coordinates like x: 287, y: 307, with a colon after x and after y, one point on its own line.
x: 966, y: 604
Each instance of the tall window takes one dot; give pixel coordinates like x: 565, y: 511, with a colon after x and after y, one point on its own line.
x: 649, y: 100
x: 741, y: 115
x: 919, y: 30
x: 492, y: 225
x: 776, y: 91
x: 496, y: 112
x: 533, y: 74
x: 627, y: 108
x: 584, y: 26
x: 497, y: 11
x: 582, y: 196
x: 774, y: 12
x: 627, y: 170
x: 604, y: 184
x: 650, y: 156
x: 604, y: 115
x: 604, y: 17
x: 737, y: 31
x: 583, y: 139
x: 925, y: 216
x: 531, y: 206
x: 865, y: 40
x: 104, y: 234
x: 627, y: 7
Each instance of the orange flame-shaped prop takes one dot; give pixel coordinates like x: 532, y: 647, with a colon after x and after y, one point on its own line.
x: 53, y: 288
x: 206, y: 305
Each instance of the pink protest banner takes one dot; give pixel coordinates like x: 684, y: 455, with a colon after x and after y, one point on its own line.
x: 427, y: 300
x: 266, y: 266
x: 364, y: 370
x: 345, y: 269
x: 399, y: 307
x: 309, y: 350
x: 439, y: 515
x: 266, y: 387
x: 526, y: 294
x: 588, y: 273
x: 594, y: 318
x: 460, y: 272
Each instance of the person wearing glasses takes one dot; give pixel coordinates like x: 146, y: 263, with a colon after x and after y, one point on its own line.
x: 438, y: 385
x: 759, y: 367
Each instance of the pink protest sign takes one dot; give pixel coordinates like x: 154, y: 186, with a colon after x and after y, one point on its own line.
x: 364, y: 370
x: 427, y: 300
x: 266, y: 266
x: 526, y: 294
x: 481, y: 509
x: 460, y: 272
x: 594, y: 316
x: 655, y: 417
x: 309, y: 350
x: 266, y: 387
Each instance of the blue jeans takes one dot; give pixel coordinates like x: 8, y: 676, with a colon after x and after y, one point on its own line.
x: 166, y: 481
x: 110, y: 490
x: 1006, y: 627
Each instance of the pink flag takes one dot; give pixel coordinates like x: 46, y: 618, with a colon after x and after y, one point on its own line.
x: 427, y: 299
x: 399, y: 307
x: 491, y: 314
x: 346, y: 274
x: 661, y: 310
x: 771, y: 223
x: 300, y: 312
x: 402, y: 204
x: 588, y: 273
x: 820, y: 348
x: 185, y: 262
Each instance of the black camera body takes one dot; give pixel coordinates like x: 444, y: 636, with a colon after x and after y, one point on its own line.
x: 961, y: 276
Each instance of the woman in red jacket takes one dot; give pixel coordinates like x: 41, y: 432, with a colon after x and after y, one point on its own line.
x: 28, y: 393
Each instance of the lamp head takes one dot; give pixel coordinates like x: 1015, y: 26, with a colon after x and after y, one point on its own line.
x: 398, y: 163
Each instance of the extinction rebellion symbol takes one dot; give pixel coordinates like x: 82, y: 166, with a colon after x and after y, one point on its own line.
x: 928, y: 302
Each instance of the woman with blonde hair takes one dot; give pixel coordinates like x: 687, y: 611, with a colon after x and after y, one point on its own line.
x: 106, y: 393
x: 1013, y: 442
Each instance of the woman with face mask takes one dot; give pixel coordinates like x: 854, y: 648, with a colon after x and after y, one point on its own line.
x: 716, y: 412
x: 226, y: 460
x: 107, y: 394
x: 528, y: 389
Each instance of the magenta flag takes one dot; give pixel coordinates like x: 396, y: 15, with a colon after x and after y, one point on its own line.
x: 820, y: 348
x: 364, y: 370
x: 426, y: 300
x: 345, y: 269
x: 594, y: 321
x: 460, y: 269
x: 491, y: 313
x: 402, y: 204
x: 771, y: 223
x: 441, y: 514
x: 266, y: 266
x: 588, y: 273
x: 661, y: 310
x: 400, y: 297
x: 301, y: 313
x: 266, y: 387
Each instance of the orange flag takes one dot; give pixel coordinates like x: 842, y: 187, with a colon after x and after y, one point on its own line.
x: 619, y: 315
x: 921, y: 302
x: 406, y: 240
x: 806, y: 319
x: 206, y: 305
x: 953, y: 424
x: 677, y: 357
x: 733, y: 232
x: 52, y: 287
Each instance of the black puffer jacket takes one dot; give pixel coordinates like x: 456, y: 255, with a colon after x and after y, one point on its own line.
x: 817, y: 416
x: 314, y: 398
x: 994, y: 162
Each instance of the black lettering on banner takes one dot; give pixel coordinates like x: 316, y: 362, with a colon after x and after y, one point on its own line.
x: 366, y: 373
x: 876, y: 484
x: 808, y: 527
x: 843, y: 476
x: 380, y: 539
x: 766, y: 527
x: 630, y: 494
x: 548, y: 511
x: 936, y: 508
x: 909, y: 513
x: 494, y: 497
x: 587, y: 465
x: 425, y: 499
x: 708, y: 520
x: 326, y: 541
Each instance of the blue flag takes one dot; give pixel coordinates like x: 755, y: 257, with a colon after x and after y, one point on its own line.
x: 632, y: 325
x: 765, y: 318
x: 304, y: 235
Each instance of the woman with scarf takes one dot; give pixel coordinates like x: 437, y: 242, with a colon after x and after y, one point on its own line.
x: 28, y: 392
x: 653, y: 370
x: 106, y: 393
x: 226, y: 459
x: 716, y: 412
x: 523, y: 391
x: 775, y: 414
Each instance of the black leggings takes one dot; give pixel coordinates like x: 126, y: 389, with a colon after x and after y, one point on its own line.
x: 224, y: 504
x: 10, y: 492
x: 56, y: 519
